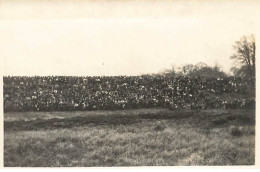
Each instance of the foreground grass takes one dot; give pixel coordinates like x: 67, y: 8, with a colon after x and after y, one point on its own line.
x: 166, y: 138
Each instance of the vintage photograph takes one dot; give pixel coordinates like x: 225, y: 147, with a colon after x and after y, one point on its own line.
x: 133, y: 83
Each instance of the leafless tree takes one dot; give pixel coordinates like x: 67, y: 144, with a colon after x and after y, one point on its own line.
x: 244, y: 57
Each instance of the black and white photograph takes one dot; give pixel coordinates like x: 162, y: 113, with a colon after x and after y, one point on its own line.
x: 128, y: 83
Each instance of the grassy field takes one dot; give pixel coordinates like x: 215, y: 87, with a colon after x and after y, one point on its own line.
x: 143, y: 137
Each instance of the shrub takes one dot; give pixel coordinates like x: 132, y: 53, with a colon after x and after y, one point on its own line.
x: 159, y: 128
x: 236, y: 131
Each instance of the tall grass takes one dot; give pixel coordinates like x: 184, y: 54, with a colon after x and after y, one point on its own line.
x: 148, y: 142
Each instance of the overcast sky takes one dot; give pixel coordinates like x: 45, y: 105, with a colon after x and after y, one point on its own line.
x: 116, y: 38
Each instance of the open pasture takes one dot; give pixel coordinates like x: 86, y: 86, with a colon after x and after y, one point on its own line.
x: 141, y: 137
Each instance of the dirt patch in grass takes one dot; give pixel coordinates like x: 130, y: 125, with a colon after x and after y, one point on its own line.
x: 70, y: 122
x: 194, y: 118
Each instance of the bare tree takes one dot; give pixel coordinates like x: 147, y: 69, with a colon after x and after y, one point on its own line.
x: 202, y: 69
x: 244, y: 57
x: 199, y: 69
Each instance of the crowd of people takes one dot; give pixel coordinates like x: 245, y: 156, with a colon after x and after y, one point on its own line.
x: 66, y: 93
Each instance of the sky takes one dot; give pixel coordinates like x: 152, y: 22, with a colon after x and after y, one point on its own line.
x: 90, y: 38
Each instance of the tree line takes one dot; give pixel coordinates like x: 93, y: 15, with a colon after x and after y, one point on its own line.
x: 243, y: 66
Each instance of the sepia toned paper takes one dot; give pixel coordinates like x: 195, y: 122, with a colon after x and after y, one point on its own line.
x: 121, y: 37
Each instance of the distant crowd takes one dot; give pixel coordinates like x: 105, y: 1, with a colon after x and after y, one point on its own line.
x: 61, y: 93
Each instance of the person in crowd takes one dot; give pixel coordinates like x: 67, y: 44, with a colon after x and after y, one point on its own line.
x: 121, y: 92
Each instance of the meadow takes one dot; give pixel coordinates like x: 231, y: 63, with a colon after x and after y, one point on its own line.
x: 140, y: 137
